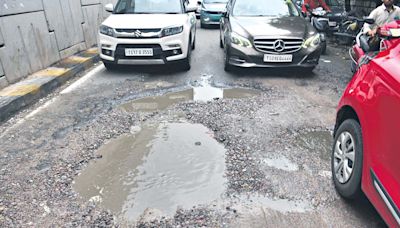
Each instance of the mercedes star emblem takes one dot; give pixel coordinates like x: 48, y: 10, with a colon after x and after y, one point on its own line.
x: 279, y: 45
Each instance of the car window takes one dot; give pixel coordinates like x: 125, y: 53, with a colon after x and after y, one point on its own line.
x: 274, y: 8
x: 148, y: 6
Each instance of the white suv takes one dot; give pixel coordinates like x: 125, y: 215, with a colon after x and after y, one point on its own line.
x: 143, y: 32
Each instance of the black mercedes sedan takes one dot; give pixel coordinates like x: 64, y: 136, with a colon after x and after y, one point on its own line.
x: 271, y: 33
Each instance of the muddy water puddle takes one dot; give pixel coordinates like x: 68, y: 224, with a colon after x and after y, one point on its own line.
x: 195, y: 94
x: 204, y: 92
x: 317, y: 141
x: 160, y: 167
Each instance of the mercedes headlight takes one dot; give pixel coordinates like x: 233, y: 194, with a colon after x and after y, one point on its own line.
x: 240, y: 40
x: 313, y: 41
x: 172, y: 31
x: 107, y: 30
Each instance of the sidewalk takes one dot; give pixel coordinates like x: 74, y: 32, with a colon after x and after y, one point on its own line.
x: 17, y: 96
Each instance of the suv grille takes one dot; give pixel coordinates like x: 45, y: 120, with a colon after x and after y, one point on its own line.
x: 278, y: 46
x: 138, y: 33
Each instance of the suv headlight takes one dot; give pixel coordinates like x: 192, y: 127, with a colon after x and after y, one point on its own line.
x: 240, y: 40
x: 105, y: 30
x: 172, y: 31
x: 312, y: 41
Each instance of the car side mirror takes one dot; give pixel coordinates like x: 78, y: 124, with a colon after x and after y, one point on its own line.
x: 109, y: 7
x: 198, y: 2
x: 190, y: 9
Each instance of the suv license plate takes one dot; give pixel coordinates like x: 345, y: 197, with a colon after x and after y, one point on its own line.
x: 138, y: 52
x: 278, y: 58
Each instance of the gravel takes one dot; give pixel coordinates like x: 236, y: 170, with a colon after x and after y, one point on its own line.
x: 40, y: 157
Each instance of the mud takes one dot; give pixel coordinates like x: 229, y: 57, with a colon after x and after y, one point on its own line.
x: 203, y: 91
x: 317, y: 141
x: 160, y: 168
x: 196, y: 94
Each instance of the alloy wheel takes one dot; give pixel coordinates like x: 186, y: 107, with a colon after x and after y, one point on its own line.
x: 344, y: 157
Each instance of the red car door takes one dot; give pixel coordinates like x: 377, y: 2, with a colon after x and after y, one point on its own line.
x: 383, y: 108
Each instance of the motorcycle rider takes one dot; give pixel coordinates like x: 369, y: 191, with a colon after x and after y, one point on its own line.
x: 315, y: 4
x: 383, y: 14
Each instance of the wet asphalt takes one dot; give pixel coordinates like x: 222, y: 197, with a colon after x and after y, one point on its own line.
x: 152, y: 147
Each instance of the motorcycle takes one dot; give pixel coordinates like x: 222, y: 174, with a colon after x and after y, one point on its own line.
x: 362, y: 52
x: 320, y: 21
x: 350, y: 27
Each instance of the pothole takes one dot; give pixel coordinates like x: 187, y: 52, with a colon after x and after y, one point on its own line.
x: 161, y: 167
x: 318, y: 142
x: 203, y: 92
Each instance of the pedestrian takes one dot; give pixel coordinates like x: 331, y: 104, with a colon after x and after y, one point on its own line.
x: 315, y: 4
x: 383, y: 14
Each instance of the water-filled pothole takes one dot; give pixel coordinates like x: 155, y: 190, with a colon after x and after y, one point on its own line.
x: 161, y: 167
x: 204, y: 91
x: 317, y: 141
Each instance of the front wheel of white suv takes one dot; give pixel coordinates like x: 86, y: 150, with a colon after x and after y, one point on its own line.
x: 186, y: 62
x: 109, y: 66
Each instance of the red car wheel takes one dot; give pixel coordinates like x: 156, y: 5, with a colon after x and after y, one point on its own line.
x: 347, y: 159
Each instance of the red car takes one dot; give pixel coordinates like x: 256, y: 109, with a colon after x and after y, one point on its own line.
x: 366, y: 150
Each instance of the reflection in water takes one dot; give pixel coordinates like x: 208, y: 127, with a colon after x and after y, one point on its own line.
x: 202, y: 92
x: 195, y: 94
x: 160, y: 167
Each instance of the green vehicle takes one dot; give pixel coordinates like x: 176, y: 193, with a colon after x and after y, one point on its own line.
x: 211, y: 12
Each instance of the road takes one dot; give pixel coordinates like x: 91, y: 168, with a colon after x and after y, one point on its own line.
x: 156, y: 147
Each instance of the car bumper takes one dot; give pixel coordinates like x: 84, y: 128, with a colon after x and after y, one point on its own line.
x: 165, y: 50
x: 250, y: 57
x: 210, y: 19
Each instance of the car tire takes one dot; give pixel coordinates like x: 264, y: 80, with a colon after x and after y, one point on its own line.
x: 308, y: 69
x: 194, y: 44
x: 110, y: 66
x: 227, y: 66
x: 350, y: 134
x: 221, y: 45
x: 323, y: 51
x: 186, y: 62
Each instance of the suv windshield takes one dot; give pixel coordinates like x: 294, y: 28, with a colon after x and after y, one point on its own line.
x: 148, y: 6
x: 214, y: 1
x: 271, y: 8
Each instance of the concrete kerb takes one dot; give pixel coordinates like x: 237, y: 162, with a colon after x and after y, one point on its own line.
x: 17, y: 96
